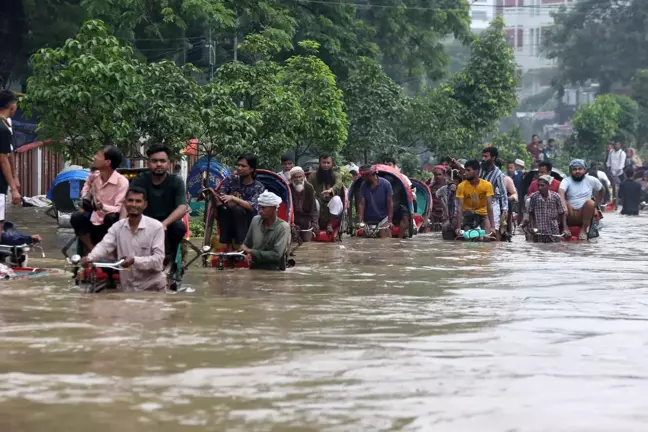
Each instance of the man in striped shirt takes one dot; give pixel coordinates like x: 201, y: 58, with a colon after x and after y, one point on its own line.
x: 495, y: 176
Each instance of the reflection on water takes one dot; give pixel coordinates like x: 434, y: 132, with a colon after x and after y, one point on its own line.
x: 371, y: 335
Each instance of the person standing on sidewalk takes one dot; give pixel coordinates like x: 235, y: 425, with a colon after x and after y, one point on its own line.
x: 8, y: 106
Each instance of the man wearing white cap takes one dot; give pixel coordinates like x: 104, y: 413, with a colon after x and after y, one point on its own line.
x: 304, y: 205
x: 268, y: 237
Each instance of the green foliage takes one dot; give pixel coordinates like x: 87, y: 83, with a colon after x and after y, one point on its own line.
x: 409, y: 163
x: 406, y: 37
x: 594, y: 125
x: 323, y: 124
x: 85, y: 92
x: 92, y: 92
x: 599, y: 40
x: 487, y: 87
x: 373, y: 103
x: 453, y: 118
x: 639, y: 93
x: 225, y: 128
x: 511, y: 146
x: 197, y: 225
x: 628, y: 120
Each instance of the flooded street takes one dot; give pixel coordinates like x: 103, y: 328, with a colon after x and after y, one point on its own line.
x: 367, y: 335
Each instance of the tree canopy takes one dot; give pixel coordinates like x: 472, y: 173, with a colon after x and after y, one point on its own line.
x: 406, y: 36
x: 599, y: 40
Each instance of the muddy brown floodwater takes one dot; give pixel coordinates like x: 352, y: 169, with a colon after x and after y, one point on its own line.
x: 367, y: 335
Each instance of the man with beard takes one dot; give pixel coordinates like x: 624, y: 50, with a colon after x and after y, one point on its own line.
x: 495, y: 177
x: 167, y: 198
x: 544, y: 168
x: 438, y: 189
x: 474, y: 201
x: 304, y: 205
x: 327, y: 185
x: 237, y: 202
x: 577, y: 191
x: 139, y: 239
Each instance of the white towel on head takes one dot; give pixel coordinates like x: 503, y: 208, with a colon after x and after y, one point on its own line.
x: 268, y: 199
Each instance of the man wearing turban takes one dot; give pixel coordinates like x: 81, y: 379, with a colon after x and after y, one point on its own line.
x: 268, y: 238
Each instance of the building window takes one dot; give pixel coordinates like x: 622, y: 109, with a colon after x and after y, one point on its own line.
x: 531, y: 44
x: 479, y: 15
x: 520, y: 38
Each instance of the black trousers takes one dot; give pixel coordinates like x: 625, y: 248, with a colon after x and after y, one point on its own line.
x: 233, y: 224
x: 173, y: 237
x: 82, y: 225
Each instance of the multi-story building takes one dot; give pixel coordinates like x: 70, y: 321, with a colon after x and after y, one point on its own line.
x: 482, y: 12
x: 527, y: 23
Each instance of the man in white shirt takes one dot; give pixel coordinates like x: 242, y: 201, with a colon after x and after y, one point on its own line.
x: 577, y: 191
x: 287, y: 163
x: 616, y: 163
x: 603, y: 178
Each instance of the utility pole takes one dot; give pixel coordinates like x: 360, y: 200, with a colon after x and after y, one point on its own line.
x: 235, y: 46
x: 212, y: 56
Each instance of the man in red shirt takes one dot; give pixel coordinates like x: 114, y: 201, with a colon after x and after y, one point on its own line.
x: 544, y: 168
x: 534, y: 148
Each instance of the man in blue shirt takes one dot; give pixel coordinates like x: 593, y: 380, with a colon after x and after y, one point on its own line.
x: 377, y: 203
x: 237, y: 201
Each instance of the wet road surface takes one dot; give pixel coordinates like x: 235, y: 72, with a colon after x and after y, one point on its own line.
x: 367, y: 335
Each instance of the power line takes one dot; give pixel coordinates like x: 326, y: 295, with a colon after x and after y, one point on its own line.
x: 425, y: 8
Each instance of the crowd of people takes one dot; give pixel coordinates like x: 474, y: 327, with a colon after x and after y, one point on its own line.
x: 142, y: 220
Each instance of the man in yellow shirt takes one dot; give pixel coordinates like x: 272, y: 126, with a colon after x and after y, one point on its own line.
x: 475, y: 200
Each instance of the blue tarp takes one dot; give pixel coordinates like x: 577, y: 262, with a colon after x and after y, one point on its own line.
x: 217, y: 173
x: 75, y: 178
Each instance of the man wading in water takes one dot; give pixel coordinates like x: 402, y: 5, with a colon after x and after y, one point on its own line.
x: 577, y: 191
x: 268, y: 238
x: 546, y: 210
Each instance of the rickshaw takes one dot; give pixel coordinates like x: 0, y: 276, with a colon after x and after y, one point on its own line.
x: 402, y: 196
x: 423, y: 210
x: 94, y: 279
x: 558, y: 175
x: 216, y: 255
x: 339, y: 224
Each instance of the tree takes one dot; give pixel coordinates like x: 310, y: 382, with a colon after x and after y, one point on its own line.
x: 166, y: 104
x: 487, y: 87
x: 594, y: 125
x: 323, y: 126
x: 410, y: 35
x: 373, y: 103
x: 259, y: 88
x: 511, y: 146
x: 600, y: 41
x: 628, y: 120
x: 453, y: 118
x: 639, y: 93
x: 27, y: 26
x: 224, y: 129
x: 83, y: 91
x: 92, y: 92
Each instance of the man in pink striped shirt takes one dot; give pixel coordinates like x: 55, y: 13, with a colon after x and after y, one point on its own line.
x: 107, y: 190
